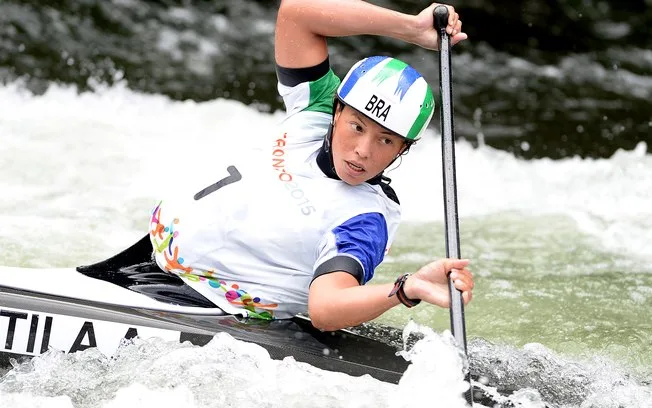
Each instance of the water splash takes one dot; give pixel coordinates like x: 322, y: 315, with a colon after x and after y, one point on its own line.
x: 560, y: 381
x: 437, y: 365
x: 92, y: 152
x: 229, y: 373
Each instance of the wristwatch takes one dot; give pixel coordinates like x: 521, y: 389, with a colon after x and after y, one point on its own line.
x: 399, y: 291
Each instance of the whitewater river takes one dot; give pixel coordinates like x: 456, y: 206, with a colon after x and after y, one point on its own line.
x: 561, y: 251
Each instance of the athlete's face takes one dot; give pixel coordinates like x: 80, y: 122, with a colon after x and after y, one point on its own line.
x: 361, y: 147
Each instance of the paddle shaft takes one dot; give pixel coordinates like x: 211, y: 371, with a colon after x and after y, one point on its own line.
x: 450, y: 185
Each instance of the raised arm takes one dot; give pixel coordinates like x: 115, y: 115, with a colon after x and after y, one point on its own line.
x: 302, y: 27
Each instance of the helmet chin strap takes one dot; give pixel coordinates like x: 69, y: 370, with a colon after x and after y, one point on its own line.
x: 325, y: 156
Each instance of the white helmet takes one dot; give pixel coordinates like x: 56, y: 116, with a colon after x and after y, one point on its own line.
x: 391, y: 93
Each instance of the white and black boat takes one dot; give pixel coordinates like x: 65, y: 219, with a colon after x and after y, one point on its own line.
x: 127, y: 295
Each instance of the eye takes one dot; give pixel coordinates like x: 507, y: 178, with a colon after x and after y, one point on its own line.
x: 387, y: 141
x: 357, y: 127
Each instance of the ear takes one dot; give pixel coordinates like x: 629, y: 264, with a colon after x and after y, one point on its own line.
x: 404, y: 149
x: 337, y: 111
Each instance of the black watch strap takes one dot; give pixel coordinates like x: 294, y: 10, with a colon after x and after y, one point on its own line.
x: 399, y: 291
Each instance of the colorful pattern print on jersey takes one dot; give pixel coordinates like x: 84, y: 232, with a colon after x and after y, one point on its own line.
x: 162, y: 237
x: 235, y: 295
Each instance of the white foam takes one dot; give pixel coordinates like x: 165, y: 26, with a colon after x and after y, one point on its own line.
x: 608, y: 198
x: 100, y: 160
x: 226, y: 372
x: 490, y: 181
x: 80, y: 172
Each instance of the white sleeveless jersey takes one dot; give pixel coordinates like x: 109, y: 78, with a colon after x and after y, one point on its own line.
x: 251, y: 239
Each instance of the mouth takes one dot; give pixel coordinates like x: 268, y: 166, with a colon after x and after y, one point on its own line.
x: 355, y: 168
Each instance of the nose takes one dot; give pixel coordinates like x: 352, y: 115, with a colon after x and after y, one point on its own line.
x: 363, y: 147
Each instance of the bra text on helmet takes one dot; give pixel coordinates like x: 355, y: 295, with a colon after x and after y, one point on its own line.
x: 378, y: 107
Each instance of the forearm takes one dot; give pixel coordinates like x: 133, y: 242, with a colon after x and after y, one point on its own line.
x: 302, y: 27
x: 350, y: 306
x: 337, y: 18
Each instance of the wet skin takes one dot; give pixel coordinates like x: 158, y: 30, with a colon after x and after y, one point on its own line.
x: 361, y: 147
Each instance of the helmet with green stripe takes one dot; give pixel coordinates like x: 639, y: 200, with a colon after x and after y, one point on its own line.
x: 391, y: 93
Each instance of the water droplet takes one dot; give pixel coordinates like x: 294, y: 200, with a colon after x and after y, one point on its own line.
x: 580, y: 129
x: 525, y: 146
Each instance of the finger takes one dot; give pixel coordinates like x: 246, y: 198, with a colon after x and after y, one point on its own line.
x: 450, y: 264
x: 468, y: 276
x: 467, y: 296
x: 464, y: 273
x: 458, y: 37
x: 464, y: 278
x: 451, y: 14
x: 463, y: 284
x: 458, y: 263
x: 452, y: 20
x: 457, y: 28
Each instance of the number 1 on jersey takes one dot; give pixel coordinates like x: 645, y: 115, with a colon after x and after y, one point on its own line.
x: 234, y: 175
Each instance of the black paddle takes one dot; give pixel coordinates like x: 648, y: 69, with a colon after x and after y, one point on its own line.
x: 450, y: 186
